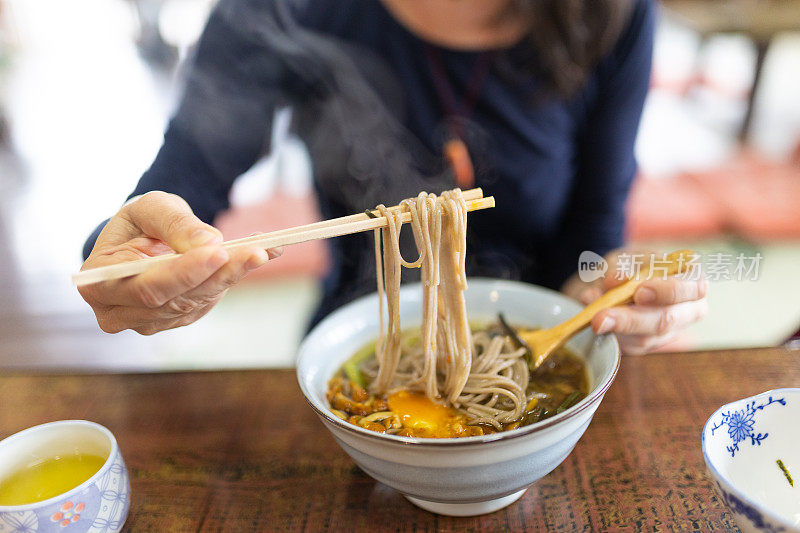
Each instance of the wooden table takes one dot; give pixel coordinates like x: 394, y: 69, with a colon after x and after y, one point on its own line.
x: 241, y: 451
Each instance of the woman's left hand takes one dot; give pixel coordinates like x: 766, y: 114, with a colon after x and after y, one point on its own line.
x: 661, y: 308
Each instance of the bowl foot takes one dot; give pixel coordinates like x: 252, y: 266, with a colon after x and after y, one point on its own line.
x: 467, y: 509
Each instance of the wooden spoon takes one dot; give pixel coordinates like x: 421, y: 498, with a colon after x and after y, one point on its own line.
x: 544, y: 342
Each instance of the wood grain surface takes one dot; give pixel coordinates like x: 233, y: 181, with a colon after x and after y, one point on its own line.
x: 241, y: 451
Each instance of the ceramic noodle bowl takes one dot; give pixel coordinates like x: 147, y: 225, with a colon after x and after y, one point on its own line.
x: 752, y: 452
x: 458, y: 476
x: 100, y: 504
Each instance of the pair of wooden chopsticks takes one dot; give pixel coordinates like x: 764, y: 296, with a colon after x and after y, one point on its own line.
x: 325, y: 229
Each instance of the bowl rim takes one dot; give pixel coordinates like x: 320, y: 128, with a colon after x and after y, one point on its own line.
x: 781, y: 520
x: 592, y: 398
x: 112, y: 453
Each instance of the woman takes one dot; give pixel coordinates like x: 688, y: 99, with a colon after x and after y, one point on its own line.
x: 537, y: 101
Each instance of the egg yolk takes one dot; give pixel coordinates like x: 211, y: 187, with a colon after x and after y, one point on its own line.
x: 425, y: 418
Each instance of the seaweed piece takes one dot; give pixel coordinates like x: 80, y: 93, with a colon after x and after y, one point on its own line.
x: 785, y: 472
x: 571, y: 400
x: 511, y: 332
x: 370, y: 214
x: 535, y: 415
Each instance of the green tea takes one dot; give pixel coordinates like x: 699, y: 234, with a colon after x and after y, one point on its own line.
x: 48, y: 478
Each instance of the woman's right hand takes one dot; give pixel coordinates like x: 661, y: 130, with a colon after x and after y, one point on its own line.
x: 168, y: 295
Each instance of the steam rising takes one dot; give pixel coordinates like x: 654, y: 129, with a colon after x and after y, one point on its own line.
x: 346, y: 100
x: 347, y: 106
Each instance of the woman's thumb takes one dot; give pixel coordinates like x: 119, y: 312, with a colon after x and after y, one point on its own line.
x: 169, y: 218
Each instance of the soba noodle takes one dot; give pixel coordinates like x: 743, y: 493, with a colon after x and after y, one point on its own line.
x: 484, y: 377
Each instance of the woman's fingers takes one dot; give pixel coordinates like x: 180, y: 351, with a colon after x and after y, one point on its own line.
x: 670, y: 291
x: 168, y: 217
x: 661, y: 308
x: 241, y: 263
x: 187, y: 307
x: 162, y: 283
x: 645, y: 320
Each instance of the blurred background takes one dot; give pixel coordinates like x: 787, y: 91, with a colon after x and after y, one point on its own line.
x: 87, y: 86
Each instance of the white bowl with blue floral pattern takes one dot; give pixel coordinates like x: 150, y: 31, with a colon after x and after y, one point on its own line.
x: 752, y: 452
x: 100, y: 504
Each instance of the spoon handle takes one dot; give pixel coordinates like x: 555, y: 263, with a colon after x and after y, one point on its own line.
x: 674, y: 263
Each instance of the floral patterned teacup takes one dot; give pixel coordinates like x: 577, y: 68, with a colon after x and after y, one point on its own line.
x: 100, y: 504
x: 752, y: 452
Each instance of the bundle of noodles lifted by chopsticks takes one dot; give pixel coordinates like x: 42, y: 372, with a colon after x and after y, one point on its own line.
x: 485, y: 377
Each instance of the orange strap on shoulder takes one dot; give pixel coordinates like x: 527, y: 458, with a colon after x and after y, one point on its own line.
x: 457, y: 156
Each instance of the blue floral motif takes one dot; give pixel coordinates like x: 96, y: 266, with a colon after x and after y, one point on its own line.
x: 741, y: 424
x: 748, y: 511
x: 19, y: 522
